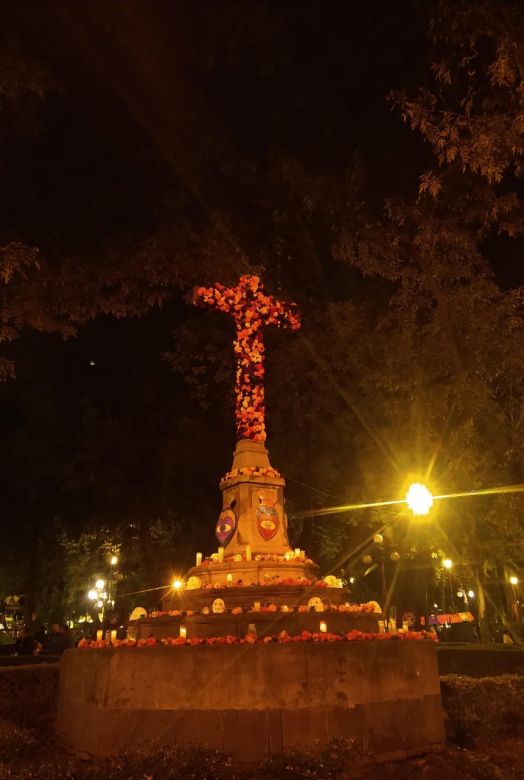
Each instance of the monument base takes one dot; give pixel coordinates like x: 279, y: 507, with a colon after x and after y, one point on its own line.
x: 251, y: 700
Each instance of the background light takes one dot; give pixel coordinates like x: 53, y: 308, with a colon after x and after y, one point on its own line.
x: 471, y: 594
x: 177, y: 584
x: 447, y: 563
x: 419, y: 499
x: 514, y: 580
x: 114, y: 560
x: 100, y: 584
x: 93, y: 595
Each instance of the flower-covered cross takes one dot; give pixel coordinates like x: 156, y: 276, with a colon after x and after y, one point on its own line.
x: 251, y: 309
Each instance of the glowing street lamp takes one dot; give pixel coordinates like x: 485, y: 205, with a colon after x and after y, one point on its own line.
x: 92, y: 595
x: 100, y: 584
x: 447, y: 563
x: 419, y: 499
x: 514, y: 580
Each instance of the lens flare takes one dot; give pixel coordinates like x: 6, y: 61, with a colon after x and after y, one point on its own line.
x: 419, y: 499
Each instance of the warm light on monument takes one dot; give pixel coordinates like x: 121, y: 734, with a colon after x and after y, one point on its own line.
x: 419, y: 499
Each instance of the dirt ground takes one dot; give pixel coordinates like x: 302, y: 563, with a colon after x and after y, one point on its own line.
x: 501, y: 760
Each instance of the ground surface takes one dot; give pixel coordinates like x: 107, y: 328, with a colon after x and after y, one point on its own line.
x: 25, y: 754
x: 503, y: 760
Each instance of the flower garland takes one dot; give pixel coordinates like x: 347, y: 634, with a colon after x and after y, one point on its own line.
x: 251, y: 471
x: 274, y: 582
x: 274, y: 557
x: 250, y: 309
x: 370, y: 607
x: 252, y: 639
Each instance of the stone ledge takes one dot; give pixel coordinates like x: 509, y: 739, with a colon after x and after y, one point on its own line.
x: 252, y: 700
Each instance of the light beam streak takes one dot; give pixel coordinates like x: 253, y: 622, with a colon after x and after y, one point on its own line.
x: 333, y: 510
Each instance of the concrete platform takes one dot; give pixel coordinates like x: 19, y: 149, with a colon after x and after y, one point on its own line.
x: 251, y: 700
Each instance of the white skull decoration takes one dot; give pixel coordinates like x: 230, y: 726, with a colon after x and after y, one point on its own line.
x: 218, y: 606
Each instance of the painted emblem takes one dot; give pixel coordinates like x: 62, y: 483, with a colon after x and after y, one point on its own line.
x: 226, y: 526
x: 267, y: 518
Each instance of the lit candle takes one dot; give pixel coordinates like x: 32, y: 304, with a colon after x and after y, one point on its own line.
x: 248, y: 552
x: 183, y: 631
x: 113, y: 636
x: 381, y: 627
x: 229, y: 580
x: 99, y: 635
x: 323, y: 627
x: 302, y: 555
x: 199, y: 559
x: 297, y: 552
x: 221, y: 555
x: 405, y: 626
x: 256, y: 606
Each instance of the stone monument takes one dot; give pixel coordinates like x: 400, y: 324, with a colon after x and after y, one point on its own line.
x: 254, y: 556
x: 284, y: 676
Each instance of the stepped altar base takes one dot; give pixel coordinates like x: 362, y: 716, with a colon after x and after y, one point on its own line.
x: 382, y: 697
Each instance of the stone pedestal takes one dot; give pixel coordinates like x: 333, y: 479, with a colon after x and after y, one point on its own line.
x: 252, y: 527
x: 257, y: 500
x: 251, y: 700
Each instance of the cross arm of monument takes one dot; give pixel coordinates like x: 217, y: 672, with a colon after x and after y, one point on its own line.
x: 280, y: 313
x: 217, y: 297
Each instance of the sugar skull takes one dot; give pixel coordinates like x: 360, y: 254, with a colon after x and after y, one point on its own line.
x: 218, y: 607
x: 226, y: 525
x: 267, y: 517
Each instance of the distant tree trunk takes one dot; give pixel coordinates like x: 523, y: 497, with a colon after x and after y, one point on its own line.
x: 146, y: 547
x: 32, y: 574
x: 484, y: 631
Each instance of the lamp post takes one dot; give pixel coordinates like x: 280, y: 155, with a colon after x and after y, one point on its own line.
x: 514, y: 581
x: 98, y: 595
x: 447, y: 564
